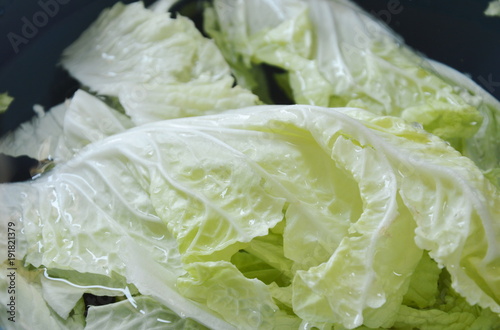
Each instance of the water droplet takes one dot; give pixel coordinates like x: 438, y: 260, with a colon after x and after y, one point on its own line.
x: 163, y: 321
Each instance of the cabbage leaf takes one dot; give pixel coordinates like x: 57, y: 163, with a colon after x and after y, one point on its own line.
x: 370, y: 203
x: 335, y: 54
x: 157, y: 66
x: 350, y: 206
x: 5, y: 101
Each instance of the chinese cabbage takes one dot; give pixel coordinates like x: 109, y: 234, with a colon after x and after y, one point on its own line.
x: 271, y: 177
x: 335, y: 54
x: 157, y: 66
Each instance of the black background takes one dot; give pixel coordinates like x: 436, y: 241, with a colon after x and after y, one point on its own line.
x: 455, y: 32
